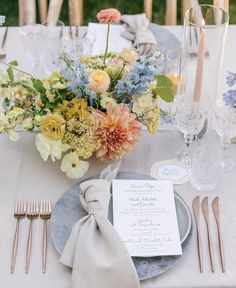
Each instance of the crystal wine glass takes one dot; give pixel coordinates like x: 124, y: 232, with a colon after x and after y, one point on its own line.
x: 33, y: 38
x: 226, y: 128
x: 190, y: 119
x: 54, y: 44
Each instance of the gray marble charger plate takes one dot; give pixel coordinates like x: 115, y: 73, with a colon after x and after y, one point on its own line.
x: 68, y: 210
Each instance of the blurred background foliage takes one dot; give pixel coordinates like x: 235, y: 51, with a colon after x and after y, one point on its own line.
x: 9, y: 8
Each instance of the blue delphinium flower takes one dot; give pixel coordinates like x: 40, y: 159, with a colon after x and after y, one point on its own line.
x: 77, y: 79
x: 230, y: 96
x: 231, y: 79
x: 142, y: 74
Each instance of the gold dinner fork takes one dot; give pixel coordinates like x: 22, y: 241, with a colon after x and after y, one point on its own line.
x: 45, y: 215
x: 32, y: 214
x: 19, y: 213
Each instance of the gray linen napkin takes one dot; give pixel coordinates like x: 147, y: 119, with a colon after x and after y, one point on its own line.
x: 136, y: 30
x: 94, y: 250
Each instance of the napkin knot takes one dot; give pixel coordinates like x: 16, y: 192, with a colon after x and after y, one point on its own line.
x: 95, y: 197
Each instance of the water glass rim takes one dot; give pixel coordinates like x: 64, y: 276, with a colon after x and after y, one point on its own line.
x: 207, y: 26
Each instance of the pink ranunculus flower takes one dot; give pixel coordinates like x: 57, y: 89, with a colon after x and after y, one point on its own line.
x: 99, y: 81
x: 108, y: 16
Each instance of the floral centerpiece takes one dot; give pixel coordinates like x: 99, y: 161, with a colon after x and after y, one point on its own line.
x: 90, y: 105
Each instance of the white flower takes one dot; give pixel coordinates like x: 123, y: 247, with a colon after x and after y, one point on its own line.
x: 48, y: 147
x: 73, y: 167
x: 14, y: 136
x: 143, y: 103
x: 105, y: 101
x: 15, y: 112
x: 27, y: 123
x: 3, y: 122
x: 128, y: 55
x: 37, y: 120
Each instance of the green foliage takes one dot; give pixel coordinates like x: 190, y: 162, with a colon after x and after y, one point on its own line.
x: 165, y: 88
x: 38, y: 85
x: 10, y: 74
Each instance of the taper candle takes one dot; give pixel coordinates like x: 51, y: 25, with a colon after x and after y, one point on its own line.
x: 197, y: 93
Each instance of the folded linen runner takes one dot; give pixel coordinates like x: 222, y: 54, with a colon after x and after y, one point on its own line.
x: 94, y: 250
x: 136, y: 30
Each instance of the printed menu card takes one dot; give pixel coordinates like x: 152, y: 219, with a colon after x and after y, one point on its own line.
x: 144, y: 215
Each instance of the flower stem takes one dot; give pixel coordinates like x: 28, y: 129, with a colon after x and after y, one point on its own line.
x: 14, y: 68
x: 107, y: 43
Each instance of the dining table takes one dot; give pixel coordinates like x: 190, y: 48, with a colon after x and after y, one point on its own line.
x: 24, y: 175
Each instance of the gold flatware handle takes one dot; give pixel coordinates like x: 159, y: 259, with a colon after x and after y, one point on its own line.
x: 200, y: 254
x: 15, y: 245
x: 28, y: 249
x: 222, y: 256
x: 205, y: 210
x: 196, y: 207
x: 44, y: 246
x: 210, y: 250
x: 216, y: 211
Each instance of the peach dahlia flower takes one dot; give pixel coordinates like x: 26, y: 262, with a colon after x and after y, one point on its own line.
x: 118, y: 132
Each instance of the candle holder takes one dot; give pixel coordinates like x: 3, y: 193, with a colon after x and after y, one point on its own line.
x: 205, y: 28
x: 203, y: 42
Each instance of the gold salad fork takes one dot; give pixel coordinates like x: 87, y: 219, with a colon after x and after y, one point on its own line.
x: 19, y: 213
x: 32, y: 214
x: 45, y: 215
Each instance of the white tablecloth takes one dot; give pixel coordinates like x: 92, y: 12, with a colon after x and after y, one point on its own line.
x: 23, y: 175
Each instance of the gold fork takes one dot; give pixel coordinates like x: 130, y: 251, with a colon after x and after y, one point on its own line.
x: 32, y: 214
x: 45, y: 215
x: 19, y: 213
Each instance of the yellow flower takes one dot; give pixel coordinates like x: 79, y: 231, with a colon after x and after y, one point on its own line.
x: 128, y: 55
x: 3, y: 122
x: 53, y: 79
x: 37, y: 120
x: 99, y: 81
x: 105, y: 101
x: 27, y: 123
x: 84, y: 59
x: 73, y: 108
x: 52, y: 126
x: 50, y: 96
x: 15, y: 113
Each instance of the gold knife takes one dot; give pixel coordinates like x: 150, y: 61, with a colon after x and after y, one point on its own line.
x: 216, y: 211
x: 196, y: 207
x: 205, y: 210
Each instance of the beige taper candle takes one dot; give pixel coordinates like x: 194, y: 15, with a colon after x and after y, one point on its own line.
x: 197, y: 93
x: 76, y: 12
x: 54, y: 11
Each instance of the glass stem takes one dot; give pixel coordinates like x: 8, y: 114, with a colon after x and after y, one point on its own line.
x: 225, y: 148
x: 188, y: 140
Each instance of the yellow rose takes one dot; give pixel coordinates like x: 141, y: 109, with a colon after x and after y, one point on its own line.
x: 52, y: 127
x: 128, y: 55
x: 99, y: 81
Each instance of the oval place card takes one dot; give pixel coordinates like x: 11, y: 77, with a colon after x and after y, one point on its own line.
x: 171, y: 170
